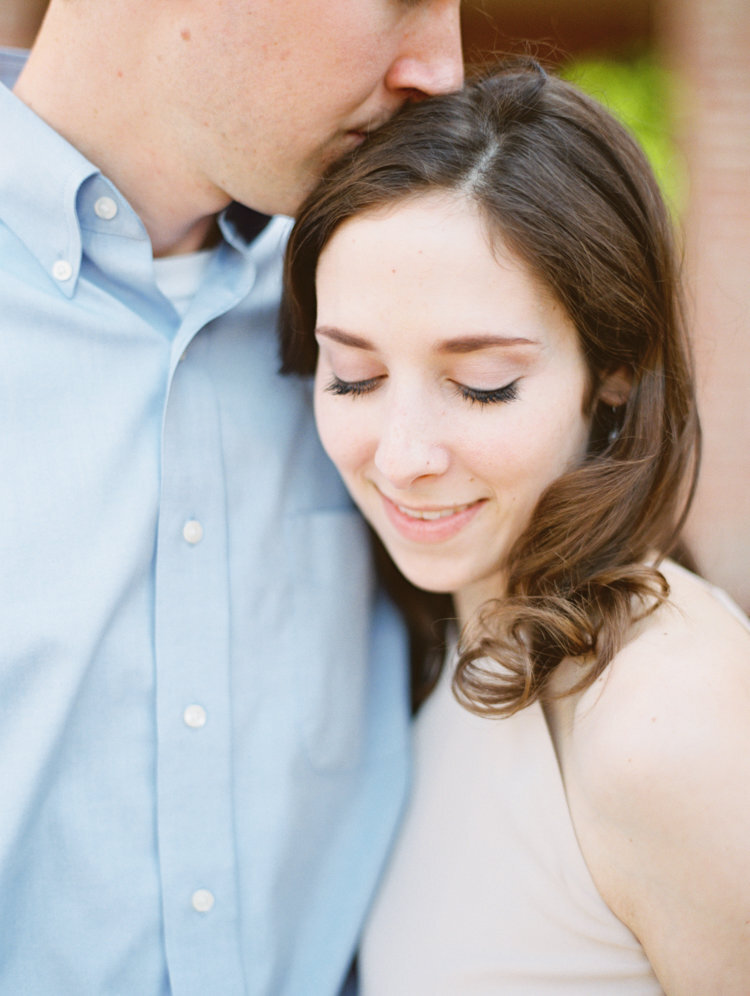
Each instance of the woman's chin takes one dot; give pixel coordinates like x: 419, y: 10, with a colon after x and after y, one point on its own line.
x: 426, y: 580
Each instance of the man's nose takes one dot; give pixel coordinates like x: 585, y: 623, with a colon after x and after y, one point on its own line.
x: 431, y: 60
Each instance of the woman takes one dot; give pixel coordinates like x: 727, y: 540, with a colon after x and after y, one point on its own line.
x: 488, y: 292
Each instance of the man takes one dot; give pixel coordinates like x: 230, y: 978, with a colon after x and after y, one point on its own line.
x: 202, y: 750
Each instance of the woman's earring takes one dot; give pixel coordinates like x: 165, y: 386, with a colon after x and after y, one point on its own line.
x: 614, y: 432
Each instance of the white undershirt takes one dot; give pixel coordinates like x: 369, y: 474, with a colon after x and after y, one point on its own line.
x: 178, y: 277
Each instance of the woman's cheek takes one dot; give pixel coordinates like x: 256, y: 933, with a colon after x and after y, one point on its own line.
x: 342, y: 432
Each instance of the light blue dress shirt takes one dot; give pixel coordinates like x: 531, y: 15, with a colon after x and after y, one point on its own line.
x: 12, y: 61
x: 203, y: 717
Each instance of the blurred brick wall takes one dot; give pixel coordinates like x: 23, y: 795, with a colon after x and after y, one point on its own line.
x: 555, y: 28
x: 708, y: 43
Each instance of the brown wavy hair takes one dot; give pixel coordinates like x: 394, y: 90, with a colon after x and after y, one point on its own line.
x: 569, y: 191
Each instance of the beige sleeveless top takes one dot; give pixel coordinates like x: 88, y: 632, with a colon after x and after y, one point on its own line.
x: 487, y: 891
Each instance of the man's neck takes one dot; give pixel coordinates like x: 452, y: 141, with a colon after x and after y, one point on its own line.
x: 106, y: 110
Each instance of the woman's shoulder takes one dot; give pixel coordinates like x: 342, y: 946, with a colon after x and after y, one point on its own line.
x: 691, y: 653
x: 701, y: 608
x: 671, y: 692
x: 656, y: 756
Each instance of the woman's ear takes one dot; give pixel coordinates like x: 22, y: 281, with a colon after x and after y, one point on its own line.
x: 614, y: 388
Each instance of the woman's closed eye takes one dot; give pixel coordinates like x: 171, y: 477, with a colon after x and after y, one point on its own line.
x: 474, y: 395
x: 352, y: 388
x: 488, y: 396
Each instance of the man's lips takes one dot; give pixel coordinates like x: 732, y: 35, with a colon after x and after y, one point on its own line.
x: 357, y: 135
x: 367, y: 128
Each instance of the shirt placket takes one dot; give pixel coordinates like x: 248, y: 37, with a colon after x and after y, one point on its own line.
x: 195, y: 819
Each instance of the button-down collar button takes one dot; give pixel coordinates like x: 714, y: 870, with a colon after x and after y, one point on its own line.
x: 194, y: 716
x: 203, y: 901
x: 105, y: 208
x: 62, y: 270
x: 192, y: 531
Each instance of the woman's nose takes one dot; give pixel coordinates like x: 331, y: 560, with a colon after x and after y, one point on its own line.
x: 408, y: 450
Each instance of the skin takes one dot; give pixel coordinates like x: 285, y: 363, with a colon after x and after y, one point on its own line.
x: 656, y: 759
x: 655, y: 755
x: 189, y: 106
x: 465, y: 384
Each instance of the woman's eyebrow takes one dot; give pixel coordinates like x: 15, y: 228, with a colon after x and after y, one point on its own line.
x: 456, y: 344
x: 472, y: 343
x: 345, y: 338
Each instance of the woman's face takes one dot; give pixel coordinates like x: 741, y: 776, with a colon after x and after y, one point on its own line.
x: 449, y: 391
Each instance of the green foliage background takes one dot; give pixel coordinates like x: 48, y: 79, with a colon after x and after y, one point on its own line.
x: 640, y: 92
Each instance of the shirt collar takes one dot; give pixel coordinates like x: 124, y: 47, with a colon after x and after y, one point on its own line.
x: 40, y: 176
x: 48, y: 190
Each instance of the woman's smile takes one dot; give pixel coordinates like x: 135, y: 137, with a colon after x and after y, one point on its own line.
x: 429, y: 523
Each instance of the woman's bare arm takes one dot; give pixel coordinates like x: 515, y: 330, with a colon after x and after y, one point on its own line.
x: 657, y: 770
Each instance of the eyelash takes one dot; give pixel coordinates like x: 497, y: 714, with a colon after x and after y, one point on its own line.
x: 474, y: 395
x: 496, y: 395
x: 351, y: 388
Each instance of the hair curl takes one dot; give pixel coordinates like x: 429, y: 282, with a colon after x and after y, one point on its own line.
x: 565, y: 187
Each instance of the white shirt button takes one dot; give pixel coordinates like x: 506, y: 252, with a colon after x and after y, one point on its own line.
x: 62, y: 270
x: 203, y: 901
x: 194, y: 716
x: 105, y: 208
x: 192, y: 531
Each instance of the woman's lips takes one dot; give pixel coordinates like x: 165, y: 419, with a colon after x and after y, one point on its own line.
x: 430, y: 524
